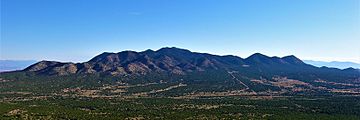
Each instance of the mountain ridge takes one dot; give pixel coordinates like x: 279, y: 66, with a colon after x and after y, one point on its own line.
x: 168, y: 59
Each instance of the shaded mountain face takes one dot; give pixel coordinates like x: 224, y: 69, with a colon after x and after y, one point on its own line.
x: 166, y: 60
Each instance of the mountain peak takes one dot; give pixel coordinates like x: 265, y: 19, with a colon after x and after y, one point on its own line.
x: 258, y: 58
x: 176, y: 52
x: 173, y: 49
x: 292, y: 59
x: 257, y: 55
x: 41, y: 65
x: 100, y: 56
x: 148, y: 51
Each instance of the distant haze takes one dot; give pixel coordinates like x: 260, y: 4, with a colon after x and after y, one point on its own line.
x: 11, y: 65
x: 335, y: 64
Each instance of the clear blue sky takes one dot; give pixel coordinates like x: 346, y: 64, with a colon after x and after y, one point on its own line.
x: 76, y: 30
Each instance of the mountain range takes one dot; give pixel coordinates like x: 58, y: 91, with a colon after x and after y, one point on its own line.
x: 167, y: 60
x: 200, y: 72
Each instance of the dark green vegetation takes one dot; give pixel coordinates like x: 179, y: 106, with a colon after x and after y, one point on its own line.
x: 173, y: 83
x: 290, y: 108
x: 28, y: 96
